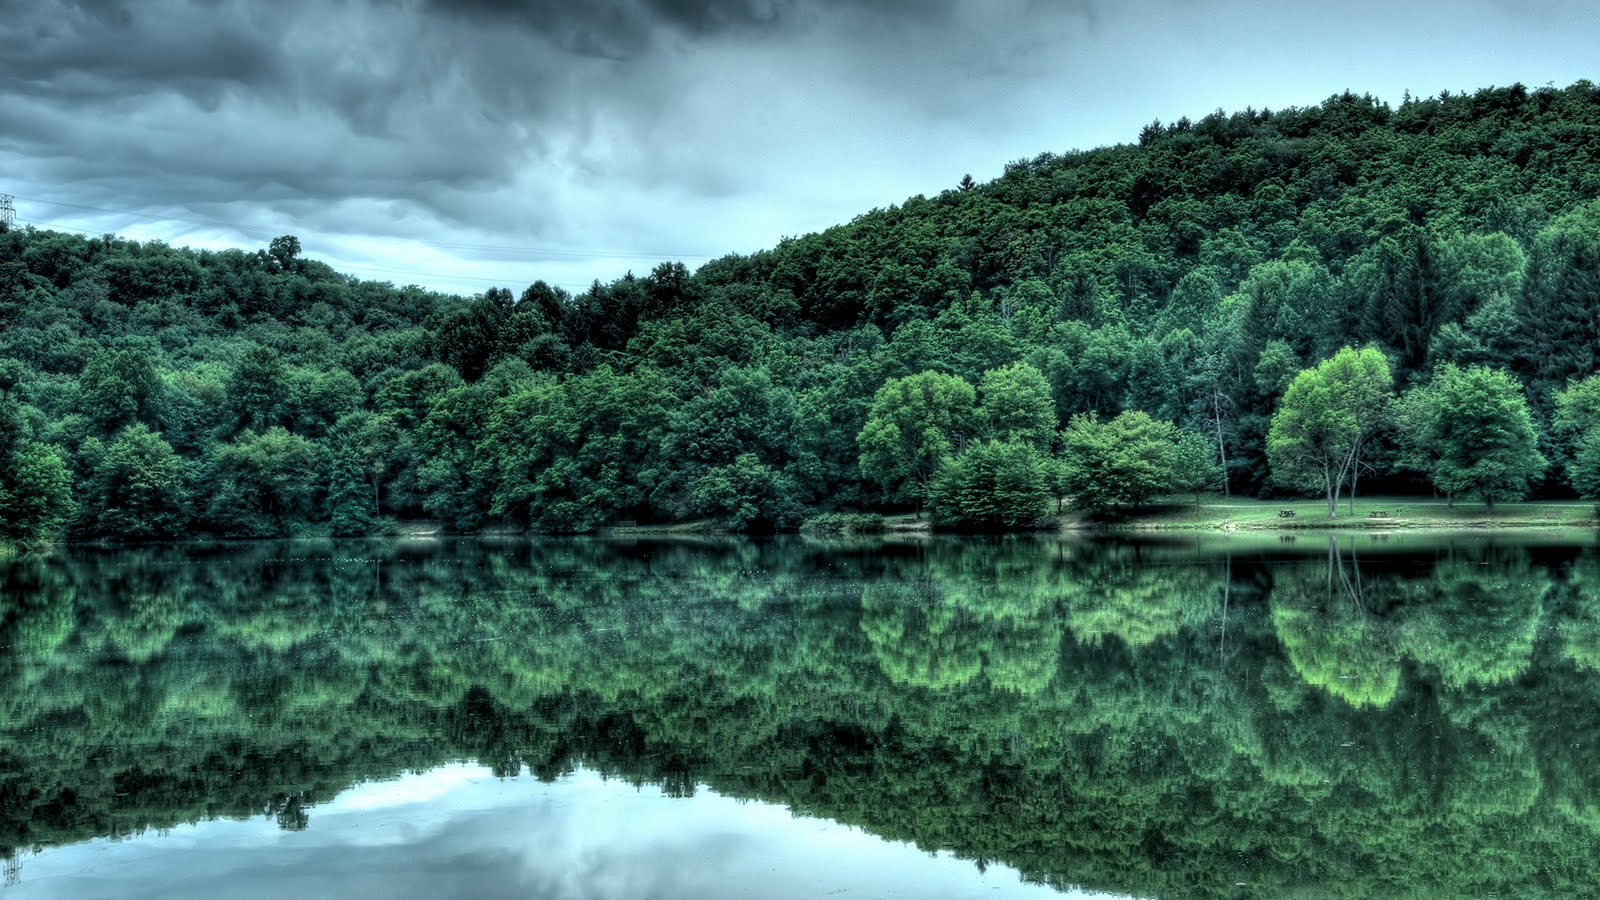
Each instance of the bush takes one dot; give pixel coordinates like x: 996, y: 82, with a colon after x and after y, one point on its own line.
x: 844, y: 523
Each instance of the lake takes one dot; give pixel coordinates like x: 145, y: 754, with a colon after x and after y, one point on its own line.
x: 1261, y: 715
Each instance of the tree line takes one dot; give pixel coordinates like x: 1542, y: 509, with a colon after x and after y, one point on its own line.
x: 1080, y: 327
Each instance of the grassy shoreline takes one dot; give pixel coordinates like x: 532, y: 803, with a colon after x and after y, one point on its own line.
x: 1370, y: 514
x: 1216, y: 513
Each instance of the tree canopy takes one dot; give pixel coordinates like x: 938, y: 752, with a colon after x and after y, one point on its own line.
x: 1475, y: 426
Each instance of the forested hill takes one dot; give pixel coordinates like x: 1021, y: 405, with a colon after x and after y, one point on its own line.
x: 1172, y: 297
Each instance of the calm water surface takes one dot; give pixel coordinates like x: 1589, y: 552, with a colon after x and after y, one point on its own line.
x: 1360, y: 716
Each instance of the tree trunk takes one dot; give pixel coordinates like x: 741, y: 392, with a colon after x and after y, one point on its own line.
x: 1333, y: 498
x: 1355, y: 472
x: 1222, y: 449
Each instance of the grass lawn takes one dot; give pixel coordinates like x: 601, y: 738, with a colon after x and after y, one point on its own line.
x: 1402, y: 512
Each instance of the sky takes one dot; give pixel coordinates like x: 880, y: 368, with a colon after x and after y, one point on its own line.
x: 465, y: 144
x: 457, y: 831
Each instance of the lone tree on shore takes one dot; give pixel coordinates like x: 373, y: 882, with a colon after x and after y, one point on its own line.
x: 1327, y: 416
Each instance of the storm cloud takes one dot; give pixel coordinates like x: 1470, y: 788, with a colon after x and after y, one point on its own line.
x: 458, y: 143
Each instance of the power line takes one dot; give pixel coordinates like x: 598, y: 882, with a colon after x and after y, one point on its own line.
x: 576, y: 288
x: 447, y: 245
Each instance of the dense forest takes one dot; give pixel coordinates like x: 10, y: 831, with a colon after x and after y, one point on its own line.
x: 1310, y: 718
x: 1405, y: 298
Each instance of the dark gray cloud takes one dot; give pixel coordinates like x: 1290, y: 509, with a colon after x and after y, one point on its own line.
x: 615, y: 129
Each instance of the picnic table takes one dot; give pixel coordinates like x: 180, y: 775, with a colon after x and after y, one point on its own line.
x: 1378, y: 514
x: 1285, y: 513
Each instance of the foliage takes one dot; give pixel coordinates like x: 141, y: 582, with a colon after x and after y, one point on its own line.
x: 1576, y: 430
x: 844, y: 523
x: 1326, y: 418
x: 35, y: 493
x: 992, y: 486
x: 748, y: 496
x: 1475, y: 427
x: 138, y: 489
x: 1017, y: 406
x: 35, y: 485
x: 1195, y: 467
x: 914, y: 425
x: 1126, y: 462
x: 265, y: 484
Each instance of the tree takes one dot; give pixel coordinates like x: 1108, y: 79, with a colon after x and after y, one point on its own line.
x: 746, y: 413
x: 1584, y: 470
x: 1016, y: 405
x: 1401, y: 278
x: 35, y: 494
x: 1194, y: 466
x: 1117, y: 464
x: 35, y: 484
x: 119, y: 387
x: 1473, y: 430
x: 914, y: 424
x: 284, y: 252
x: 265, y: 485
x: 257, y: 390
x: 1560, y: 330
x: 351, y: 511
x: 137, y: 489
x: 1575, y: 431
x: 570, y: 456
x: 992, y: 486
x: 470, y: 339
x: 748, y: 495
x: 1327, y: 416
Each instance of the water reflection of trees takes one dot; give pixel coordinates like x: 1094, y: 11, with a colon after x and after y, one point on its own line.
x: 1142, y: 718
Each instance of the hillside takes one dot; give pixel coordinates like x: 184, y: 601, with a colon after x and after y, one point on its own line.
x: 153, y: 391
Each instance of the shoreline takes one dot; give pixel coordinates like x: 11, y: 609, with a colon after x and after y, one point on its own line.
x: 1402, y: 515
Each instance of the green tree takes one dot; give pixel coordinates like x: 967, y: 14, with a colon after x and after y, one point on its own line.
x: 470, y: 339
x: 914, y: 424
x: 1126, y: 462
x: 748, y: 496
x: 35, y: 494
x: 1327, y: 416
x: 137, y: 489
x: 1576, y: 434
x: 35, y: 484
x: 119, y: 387
x: 570, y: 456
x: 258, y: 390
x: 284, y: 253
x: 992, y: 486
x: 1016, y: 405
x: 265, y: 485
x: 351, y: 508
x: 1560, y: 336
x: 1194, y: 466
x: 1474, y: 432
x: 1584, y: 470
